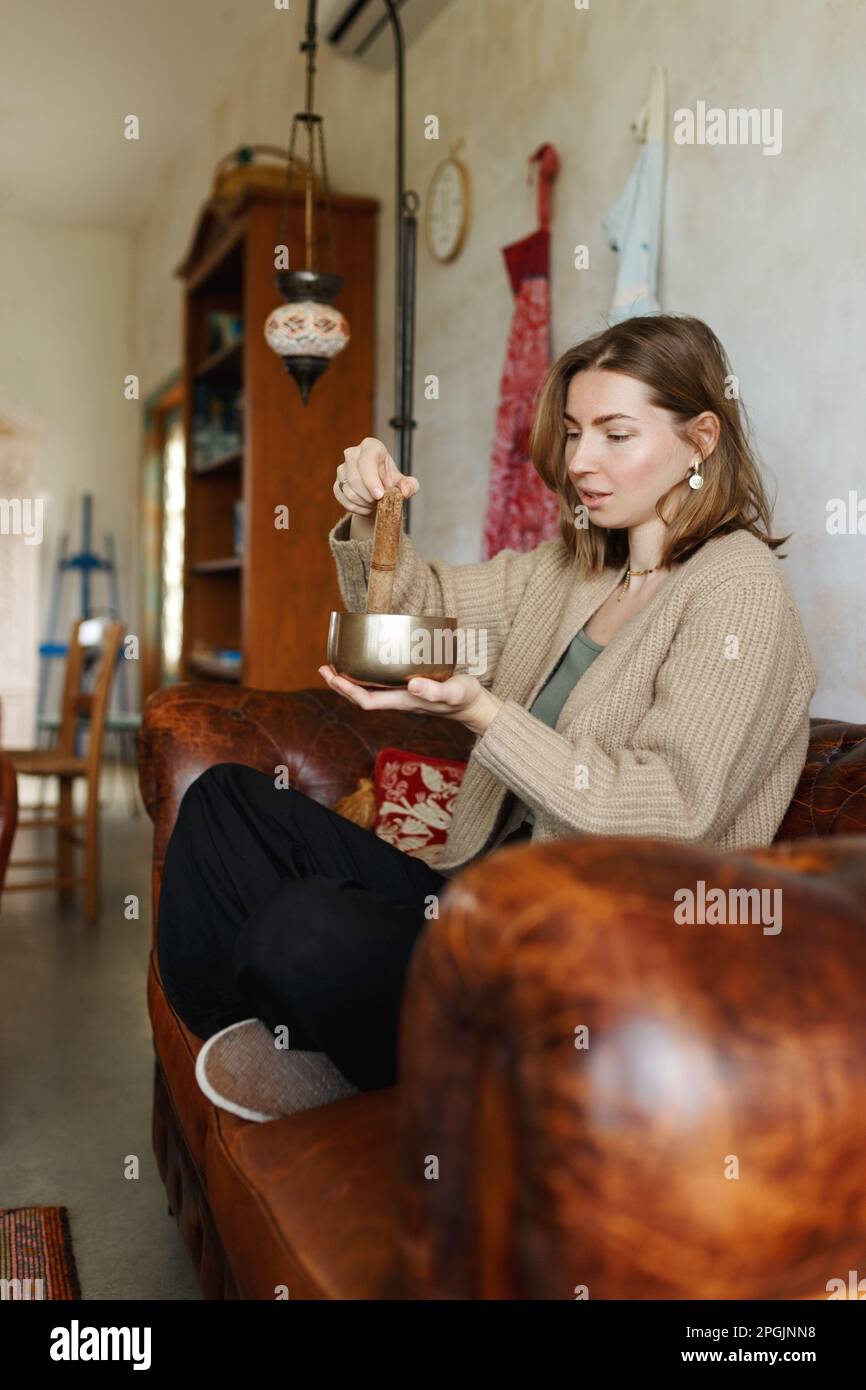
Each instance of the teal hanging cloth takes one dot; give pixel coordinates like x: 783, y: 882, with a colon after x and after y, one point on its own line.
x: 633, y: 226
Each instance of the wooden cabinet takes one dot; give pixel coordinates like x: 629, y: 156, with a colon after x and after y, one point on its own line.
x: 257, y: 592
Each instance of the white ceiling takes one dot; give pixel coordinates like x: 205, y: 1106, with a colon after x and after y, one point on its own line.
x: 71, y: 70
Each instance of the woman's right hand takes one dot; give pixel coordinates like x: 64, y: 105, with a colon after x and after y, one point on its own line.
x: 366, y: 471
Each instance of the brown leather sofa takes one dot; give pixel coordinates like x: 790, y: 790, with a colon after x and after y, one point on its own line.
x: 510, y: 1162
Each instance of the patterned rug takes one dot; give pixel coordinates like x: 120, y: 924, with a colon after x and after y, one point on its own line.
x: 36, y: 1256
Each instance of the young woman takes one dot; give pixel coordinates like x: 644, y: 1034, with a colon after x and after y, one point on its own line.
x: 647, y: 674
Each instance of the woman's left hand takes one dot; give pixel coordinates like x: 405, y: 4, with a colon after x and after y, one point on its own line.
x: 460, y: 697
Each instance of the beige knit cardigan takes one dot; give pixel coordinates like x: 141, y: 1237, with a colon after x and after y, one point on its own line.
x: 691, y: 724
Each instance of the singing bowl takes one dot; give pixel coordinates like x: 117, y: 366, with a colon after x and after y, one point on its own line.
x: 387, y: 649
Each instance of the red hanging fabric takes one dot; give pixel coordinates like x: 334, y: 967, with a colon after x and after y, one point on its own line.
x: 521, y: 511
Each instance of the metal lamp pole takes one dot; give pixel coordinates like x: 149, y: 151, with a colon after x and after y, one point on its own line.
x: 408, y: 203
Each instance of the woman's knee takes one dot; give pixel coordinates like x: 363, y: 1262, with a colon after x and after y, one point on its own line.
x: 238, y: 779
x: 214, y: 783
x: 218, y: 775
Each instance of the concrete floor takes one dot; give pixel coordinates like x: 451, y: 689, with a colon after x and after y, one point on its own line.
x: 76, y: 1069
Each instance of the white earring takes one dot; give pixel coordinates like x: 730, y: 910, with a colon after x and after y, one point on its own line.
x: 696, y: 480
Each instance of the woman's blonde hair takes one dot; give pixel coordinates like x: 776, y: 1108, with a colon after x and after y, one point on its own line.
x: 686, y: 370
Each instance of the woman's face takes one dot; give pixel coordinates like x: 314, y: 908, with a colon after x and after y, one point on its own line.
x: 621, y: 445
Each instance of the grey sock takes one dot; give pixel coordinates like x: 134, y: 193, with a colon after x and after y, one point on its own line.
x: 241, y: 1069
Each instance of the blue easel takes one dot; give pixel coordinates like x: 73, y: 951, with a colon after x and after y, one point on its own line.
x: 85, y: 563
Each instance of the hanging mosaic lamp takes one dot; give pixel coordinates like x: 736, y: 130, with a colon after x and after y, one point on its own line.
x: 308, y: 330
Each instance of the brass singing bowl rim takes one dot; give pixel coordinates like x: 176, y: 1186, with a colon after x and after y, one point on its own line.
x: 346, y: 630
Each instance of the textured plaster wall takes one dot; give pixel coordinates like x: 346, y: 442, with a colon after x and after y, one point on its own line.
x: 64, y: 339
x: 769, y: 250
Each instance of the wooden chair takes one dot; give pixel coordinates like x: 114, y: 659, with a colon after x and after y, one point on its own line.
x: 66, y: 765
x: 8, y: 813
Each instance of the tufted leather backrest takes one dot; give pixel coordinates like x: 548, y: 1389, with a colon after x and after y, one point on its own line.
x: 326, y: 744
x: 831, y: 795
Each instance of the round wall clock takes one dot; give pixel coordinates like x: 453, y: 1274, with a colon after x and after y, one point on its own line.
x: 447, y: 214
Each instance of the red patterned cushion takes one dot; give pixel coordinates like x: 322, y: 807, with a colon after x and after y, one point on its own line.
x: 414, y: 793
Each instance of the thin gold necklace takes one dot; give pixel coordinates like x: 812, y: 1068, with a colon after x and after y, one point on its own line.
x: 628, y: 575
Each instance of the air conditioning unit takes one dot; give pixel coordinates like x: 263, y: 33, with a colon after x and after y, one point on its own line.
x: 361, y: 29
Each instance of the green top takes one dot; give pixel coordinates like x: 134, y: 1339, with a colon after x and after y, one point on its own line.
x: 548, y: 703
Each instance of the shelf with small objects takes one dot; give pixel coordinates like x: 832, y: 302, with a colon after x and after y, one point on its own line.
x: 254, y: 589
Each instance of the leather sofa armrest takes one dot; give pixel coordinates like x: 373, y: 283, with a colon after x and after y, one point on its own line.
x: 703, y: 1138
x: 8, y: 813
x: 326, y: 743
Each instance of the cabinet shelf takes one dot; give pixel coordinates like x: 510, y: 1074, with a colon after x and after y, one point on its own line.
x: 221, y: 267
x: 229, y: 565
x: 224, y: 364
x: 211, y: 666
x: 273, y: 601
x: 228, y: 460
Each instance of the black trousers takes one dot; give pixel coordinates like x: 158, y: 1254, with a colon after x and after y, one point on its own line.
x: 276, y: 907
